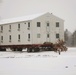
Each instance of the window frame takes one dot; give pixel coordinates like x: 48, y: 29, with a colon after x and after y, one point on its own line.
x: 1, y: 28
x: 38, y: 24
x: 48, y: 35
x: 29, y: 36
x: 19, y: 26
x: 57, y: 35
x: 9, y: 27
x: 19, y: 37
x: 28, y: 24
x: 9, y: 38
x: 1, y: 38
x: 48, y: 24
x: 57, y: 24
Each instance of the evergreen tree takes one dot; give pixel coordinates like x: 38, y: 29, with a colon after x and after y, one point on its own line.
x: 66, y: 35
x: 74, y: 38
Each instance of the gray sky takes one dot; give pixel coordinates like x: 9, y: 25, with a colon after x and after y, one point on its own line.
x: 65, y: 9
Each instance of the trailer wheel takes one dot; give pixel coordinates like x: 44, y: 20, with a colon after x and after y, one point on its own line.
x: 2, y: 49
x: 19, y: 49
x: 14, y: 49
x: 37, y: 49
x: 33, y: 50
x: 29, y: 49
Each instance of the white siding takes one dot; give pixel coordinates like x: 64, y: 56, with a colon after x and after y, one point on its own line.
x: 15, y: 32
x: 43, y: 30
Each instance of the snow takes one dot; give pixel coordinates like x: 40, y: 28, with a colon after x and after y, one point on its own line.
x: 19, y: 19
x: 39, y: 63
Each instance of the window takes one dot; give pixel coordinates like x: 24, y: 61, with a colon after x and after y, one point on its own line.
x: 38, y: 35
x: 10, y: 27
x: 47, y: 35
x: 28, y: 36
x: 47, y: 24
x: 57, y: 24
x: 1, y: 28
x: 9, y: 38
x: 38, y: 24
x: 18, y: 26
x: 1, y: 38
x: 28, y: 24
x: 57, y: 35
x: 19, y: 37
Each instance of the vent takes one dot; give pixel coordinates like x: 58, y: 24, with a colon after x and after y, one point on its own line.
x: 28, y: 28
x: 18, y: 40
x: 9, y: 30
x: 18, y: 29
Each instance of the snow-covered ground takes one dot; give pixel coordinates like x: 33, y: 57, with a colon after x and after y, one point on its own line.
x: 39, y: 63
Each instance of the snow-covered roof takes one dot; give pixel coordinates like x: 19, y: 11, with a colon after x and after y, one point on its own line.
x: 19, y: 19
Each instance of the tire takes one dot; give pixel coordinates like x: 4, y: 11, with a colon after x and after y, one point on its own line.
x: 19, y: 49
x: 2, y: 49
x: 29, y: 50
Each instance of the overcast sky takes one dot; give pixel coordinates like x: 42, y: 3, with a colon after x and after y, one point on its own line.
x: 65, y: 9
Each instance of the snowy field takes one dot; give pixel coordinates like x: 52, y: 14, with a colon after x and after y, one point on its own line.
x: 39, y: 63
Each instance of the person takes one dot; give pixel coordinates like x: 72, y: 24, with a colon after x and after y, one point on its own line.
x: 59, y: 51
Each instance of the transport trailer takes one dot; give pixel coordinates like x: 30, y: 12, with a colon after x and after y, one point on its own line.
x: 46, y: 46
x: 29, y: 47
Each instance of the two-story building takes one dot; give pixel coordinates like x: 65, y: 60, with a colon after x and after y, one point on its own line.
x: 32, y: 29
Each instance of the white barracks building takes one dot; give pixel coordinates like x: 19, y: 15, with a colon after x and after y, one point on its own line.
x: 33, y: 29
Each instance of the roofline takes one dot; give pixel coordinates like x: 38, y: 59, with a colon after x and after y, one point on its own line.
x: 15, y: 22
x: 20, y: 19
x: 24, y: 18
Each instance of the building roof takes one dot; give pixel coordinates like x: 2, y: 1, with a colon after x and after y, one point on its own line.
x: 23, y: 18
x: 19, y: 19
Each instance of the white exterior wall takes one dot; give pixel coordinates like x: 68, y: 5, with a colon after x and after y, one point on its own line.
x: 52, y: 30
x: 14, y: 34
x: 34, y: 30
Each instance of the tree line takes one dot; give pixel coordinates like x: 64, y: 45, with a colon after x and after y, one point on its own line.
x: 70, y: 38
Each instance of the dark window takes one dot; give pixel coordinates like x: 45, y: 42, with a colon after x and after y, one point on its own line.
x: 10, y: 37
x: 19, y: 37
x: 18, y: 26
x: 28, y: 24
x: 9, y: 26
x: 47, y: 35
x: 57, y: 24
x: 2, y: 38
x: 28, y: 36
x: 47, y: 24
x: 57, y: 35
x: 38, y: 24
x: 1, y: 27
